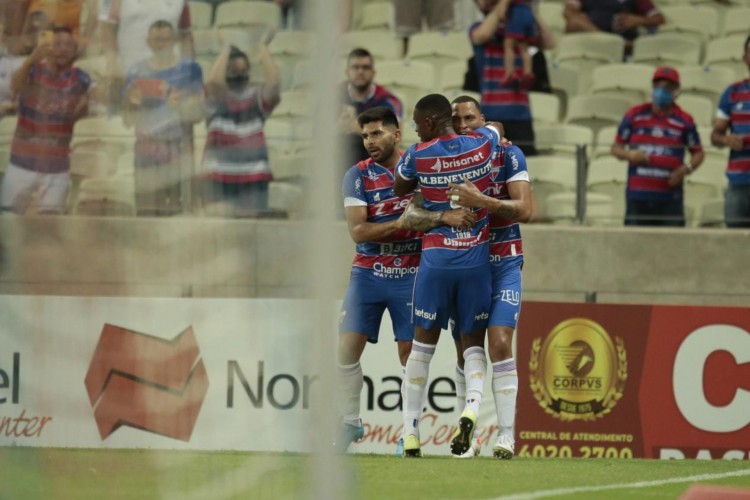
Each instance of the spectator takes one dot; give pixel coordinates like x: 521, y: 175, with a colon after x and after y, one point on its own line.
x: 293, y: 14
x: 506, y: 104
x: 164, y: 98
x: 52, y: 96
x: 520, y: 32
x: 15, y: 56
x: 732, y: 129
x: 657, y: 134
x: 622, y: 17
x: 358, y: 93
x: 61, y: 14
x: 236, y: 158
x: 409, y: 14
x: 125, y: 25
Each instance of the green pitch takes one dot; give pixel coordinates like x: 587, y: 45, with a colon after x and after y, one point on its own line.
x: 33, y: 473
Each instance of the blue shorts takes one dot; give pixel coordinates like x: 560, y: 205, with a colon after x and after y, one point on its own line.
x: 521, y: 24
x: 366, y: 300
x: 506, y: 295
x: 463, y: 294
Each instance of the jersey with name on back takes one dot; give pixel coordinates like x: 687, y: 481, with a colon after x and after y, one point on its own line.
x: 369, y: 184
x: 508, y: 165
x: 436, y: 163
x: 663, y: 138
x: 734, y: 105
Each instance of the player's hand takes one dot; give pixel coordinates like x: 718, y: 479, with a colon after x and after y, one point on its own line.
x: 677, y: 176
x: 466, y: 194
x: 42, y: 51
x: 498, y: 126
x: 637, y: 157
x: 459, y: 218
x: 734, y: 142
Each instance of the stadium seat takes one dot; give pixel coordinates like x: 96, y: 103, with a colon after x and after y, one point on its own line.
x: 561, y: 138
x: 628, y: 81
x: 604, y: 139
x: 289, y: 48
x: 700, y: 108
x: 383, y: 46
x: 596, y: 112
x: 712, y: 213
x: 705, y: 81
x: 200, y: 14
x: 414, y: 78
x: 247, y: 13
x: 452, y: 76
x: 590, y: 48
x: 545, y: 108
x: 736, y: 22
x: 565, y: 84
x: 286, y: 197
x: 599, y: 210
x: 286, y: 167
x: 609, y: 176
x: 206, y: 43
x: 698, y: 21
x: 244, y: 39
x: 106, y: 197
x: 712, y: 152
x: 408, y: 135
x: 440, y: 49
x: 293, y: 104
x: 670, y: 49
x: 549, y: 175
x: 303, y: 75
x: 552, y: 15
x: 126, y: 164
x: 94, y: 66
x: 376, y: 16
x: 7, y: 128
x: 727, y: 52
x: 287, y: 136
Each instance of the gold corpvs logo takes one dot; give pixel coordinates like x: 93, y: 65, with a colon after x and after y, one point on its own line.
x: 578, y: 374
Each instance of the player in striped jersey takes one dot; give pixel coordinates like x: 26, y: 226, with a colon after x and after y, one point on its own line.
x: 508, y: 202
x: 454, y: 272
x: 385, y: 264
x: 733, y: 116
x: 657, y: 133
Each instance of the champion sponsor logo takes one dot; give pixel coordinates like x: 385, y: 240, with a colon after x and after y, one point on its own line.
x: 383, y: 271
x: 146, y: 382
x: 424, y: 314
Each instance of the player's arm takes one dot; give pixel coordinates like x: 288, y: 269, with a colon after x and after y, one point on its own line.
x: 518, y: 208
x: 416, y: 218
x: 406, y: 174
x: 361, y: 231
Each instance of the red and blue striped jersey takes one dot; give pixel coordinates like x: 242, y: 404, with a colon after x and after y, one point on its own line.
x: 508, y: 165
x: 379, y: 96
x: 445, y: 159
x: 734, y: 105
x: 368, y: 184
x: 663, y: 138
x: 47, y: 108
x: 499, y: 103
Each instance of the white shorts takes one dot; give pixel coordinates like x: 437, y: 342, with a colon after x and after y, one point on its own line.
x: 20, y: 184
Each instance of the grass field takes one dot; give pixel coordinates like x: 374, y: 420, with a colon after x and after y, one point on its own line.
x: 29, y: 473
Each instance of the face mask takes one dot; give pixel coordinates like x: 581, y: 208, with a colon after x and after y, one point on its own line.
x: 237, y: 81
x: 661, y: 97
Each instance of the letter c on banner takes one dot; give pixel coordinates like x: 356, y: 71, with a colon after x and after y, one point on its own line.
x: 687, y: 378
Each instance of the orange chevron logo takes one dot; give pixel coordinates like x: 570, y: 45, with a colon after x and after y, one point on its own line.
x: 146, y: 382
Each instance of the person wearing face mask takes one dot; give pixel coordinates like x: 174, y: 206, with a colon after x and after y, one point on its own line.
x: 235, y: 164
x: 653, y: 137
x: 163, y: 99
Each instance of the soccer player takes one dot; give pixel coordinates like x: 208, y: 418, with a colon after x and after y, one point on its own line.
x: 508, y: 202
x: 454, y: 274
x: 385, y: 264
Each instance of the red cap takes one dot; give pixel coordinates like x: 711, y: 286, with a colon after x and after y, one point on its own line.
x: 666, y: 73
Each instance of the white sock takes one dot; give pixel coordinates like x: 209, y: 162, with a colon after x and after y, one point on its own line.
x: 403, y: 388
x: 505, y: 388
x: 475, y: 369
x: 417, y: 373
x: 460, y: 389
x: 350, y: 389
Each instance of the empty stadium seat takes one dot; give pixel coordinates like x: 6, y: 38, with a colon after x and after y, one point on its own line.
x: 549, y: 175
x: 452, y: 76
x: 670, y: 49
x: 599, y: 210
x: 562, y: 138
x: 605, y: 138
x: 440, y: 49
x: 590, y: 48
x: 247, y: 13
x: 8, y: 128
x: 200, y: 14
x: 705, y: 81
x: 289, y: 48
x: 286, y: 197
x: 700, y: 108
x: 293, y: 104
x: 628, y: 81
x: 552, y: 15
x: 699, y: 21
x: 736, y: 22
x: 545, y: 108
x: 414, y: 78
x: 727, y: 52
x: 292, y: 166
x: 596, y: 112
x: 712, y: 213
x: 376, y: 16
x: 565, y: 83
x: 609, y: 176
x: 106, y: 197
x: 712, y: 152
x: 206, y: 43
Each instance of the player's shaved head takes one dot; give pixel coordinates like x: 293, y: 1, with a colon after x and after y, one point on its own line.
x: 435, y: 105
x: 466, y: 98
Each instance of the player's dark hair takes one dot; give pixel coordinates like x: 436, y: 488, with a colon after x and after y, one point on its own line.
x: 235, y: 53
x: 435, y: 105
x: 466, y: 98
x: 161, y: 23
x: 359, y: 52
x: 378, y: 114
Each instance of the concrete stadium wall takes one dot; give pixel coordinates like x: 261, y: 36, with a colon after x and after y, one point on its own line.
x: 202, y: 257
